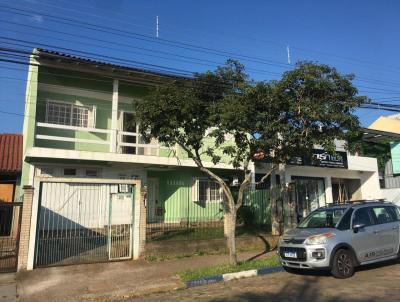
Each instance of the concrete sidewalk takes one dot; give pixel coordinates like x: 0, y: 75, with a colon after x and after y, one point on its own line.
x: 8, y: 287
x: 110, y: 281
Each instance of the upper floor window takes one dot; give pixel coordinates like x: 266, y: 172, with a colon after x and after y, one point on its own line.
x: 70, y: 114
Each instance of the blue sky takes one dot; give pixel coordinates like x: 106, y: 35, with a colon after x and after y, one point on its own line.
x: 357, y: 37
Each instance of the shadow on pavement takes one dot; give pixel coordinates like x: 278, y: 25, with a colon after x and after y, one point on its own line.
x: 306, y: 291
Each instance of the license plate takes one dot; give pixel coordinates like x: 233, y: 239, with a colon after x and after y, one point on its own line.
x: 290, y: 254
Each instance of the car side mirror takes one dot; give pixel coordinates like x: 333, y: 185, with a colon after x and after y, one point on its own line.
x: 358, y: 227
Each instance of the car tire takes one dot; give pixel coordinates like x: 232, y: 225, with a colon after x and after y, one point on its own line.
x: 343, y: 264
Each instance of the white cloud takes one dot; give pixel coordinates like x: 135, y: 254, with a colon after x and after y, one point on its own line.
x: 37, y: 18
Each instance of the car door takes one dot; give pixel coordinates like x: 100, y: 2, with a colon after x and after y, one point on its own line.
x: 364, y: 240
x: 386, y: 228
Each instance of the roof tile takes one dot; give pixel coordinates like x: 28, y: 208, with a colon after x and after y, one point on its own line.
x: 10, y: 153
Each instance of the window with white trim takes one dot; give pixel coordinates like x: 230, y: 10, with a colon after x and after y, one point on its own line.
x: 70, y: 114
x: 206, y: 190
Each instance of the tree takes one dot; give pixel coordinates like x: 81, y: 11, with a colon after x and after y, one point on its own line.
x: 248, y: 121
x: 380, y: 150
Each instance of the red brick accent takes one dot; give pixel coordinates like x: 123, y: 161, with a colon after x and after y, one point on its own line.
x: 25, y: 228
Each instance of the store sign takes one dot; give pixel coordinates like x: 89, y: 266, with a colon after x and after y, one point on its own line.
x: 321, y: 158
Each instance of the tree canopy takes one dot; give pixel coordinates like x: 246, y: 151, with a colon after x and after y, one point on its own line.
x: 272, y: 121
x: 311, y: 105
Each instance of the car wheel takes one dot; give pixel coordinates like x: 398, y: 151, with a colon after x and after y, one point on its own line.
x: 343, y: 264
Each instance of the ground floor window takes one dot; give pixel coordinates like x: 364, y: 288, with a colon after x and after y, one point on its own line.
x: 205, y: 190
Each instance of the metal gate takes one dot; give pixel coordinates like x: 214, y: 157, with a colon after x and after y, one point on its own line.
x: 84, y: 223
x: 10, y: 223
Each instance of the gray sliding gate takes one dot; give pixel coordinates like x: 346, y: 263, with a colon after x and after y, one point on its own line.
x: 84, y: 223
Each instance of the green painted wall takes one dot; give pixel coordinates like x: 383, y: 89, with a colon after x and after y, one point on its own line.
x: 259, y: 203
x: 29, y: 118
x: 35, y: 109
x: 175, y: 197
x: 395, y: 152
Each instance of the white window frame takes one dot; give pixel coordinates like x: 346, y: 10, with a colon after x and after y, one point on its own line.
x: 196, y: 190
x: 91, y: 117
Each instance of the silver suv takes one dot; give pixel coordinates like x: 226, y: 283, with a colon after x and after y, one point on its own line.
x: 341, y: 237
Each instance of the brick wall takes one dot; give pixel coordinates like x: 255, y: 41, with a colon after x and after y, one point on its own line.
x: 25, y: 228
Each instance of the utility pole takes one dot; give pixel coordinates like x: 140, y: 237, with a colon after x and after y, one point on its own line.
x: 157, y: 28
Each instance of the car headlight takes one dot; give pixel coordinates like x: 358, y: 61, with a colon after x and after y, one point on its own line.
x: 319, y: 239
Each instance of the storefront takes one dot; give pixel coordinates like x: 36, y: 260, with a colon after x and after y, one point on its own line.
x: 332, y: 180
x: 326, y: 179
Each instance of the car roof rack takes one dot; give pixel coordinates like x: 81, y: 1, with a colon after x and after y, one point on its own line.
x: 355, y: 202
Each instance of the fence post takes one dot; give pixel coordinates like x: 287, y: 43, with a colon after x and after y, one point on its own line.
x: 143, y: 220
x: 25, y: 228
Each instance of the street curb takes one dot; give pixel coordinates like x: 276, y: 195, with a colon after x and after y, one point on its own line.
x: 232, y: 276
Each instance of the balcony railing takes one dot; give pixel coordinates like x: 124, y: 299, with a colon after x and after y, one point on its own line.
x: 126, y: 143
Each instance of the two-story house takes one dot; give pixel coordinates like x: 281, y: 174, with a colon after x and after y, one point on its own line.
x: 82, y: 148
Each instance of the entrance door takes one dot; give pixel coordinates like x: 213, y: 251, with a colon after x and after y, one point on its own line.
x: 120, y: 226
x: 129, y: 125
x: 153, y: 205
x: 309, y: 194
x: 10, y: 222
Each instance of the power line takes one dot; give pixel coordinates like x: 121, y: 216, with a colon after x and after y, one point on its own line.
x: 124, y: 33
x: 179, y: 57
x: 124, y: 61
x: 77, y: 77
x: 361, y: 79
x: 281, y: 45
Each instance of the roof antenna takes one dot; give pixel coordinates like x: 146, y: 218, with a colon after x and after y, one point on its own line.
x: 288, y: 54
x: 157, y: 26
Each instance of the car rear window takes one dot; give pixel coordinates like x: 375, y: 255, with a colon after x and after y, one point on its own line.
x: 382, y: 215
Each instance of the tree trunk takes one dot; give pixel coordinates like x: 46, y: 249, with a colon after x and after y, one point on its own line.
x: 231, y: 238
x: 226, y: 226
x: 275, y: 223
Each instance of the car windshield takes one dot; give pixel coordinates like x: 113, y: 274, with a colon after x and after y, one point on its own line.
x: 324, y: 218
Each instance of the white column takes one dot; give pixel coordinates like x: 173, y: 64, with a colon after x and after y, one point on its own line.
x: 287, y: 177
x: 32, y: 233
x: 114, y: 118
x: 328, y: 190
x: 252, y: 167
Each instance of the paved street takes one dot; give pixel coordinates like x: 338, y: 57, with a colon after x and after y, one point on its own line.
x: 378, y: 283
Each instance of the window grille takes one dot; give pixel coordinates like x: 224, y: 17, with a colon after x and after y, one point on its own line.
x: 70, y: 114
x: 205, y: 190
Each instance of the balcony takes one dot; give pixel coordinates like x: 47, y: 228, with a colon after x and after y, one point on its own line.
x: 96, y: 140
x: 94, y: 144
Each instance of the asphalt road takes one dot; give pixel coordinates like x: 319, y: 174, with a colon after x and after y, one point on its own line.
x: 374, y: 283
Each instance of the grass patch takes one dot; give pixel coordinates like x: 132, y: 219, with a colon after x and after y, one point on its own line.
x: 192, y: 274
x: 152, y: 258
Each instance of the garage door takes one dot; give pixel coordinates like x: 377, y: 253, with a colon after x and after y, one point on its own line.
x: 84, y: 223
